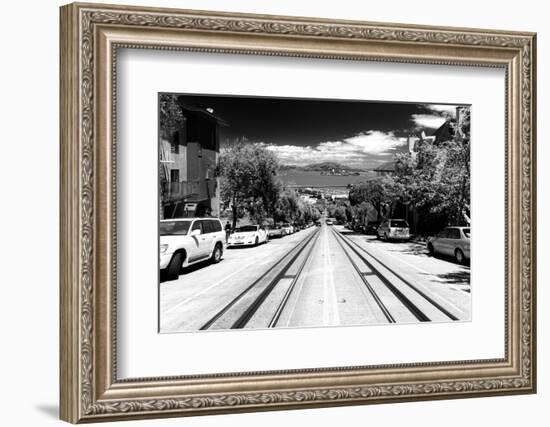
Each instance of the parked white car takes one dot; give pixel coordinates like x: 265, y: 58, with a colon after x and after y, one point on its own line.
x: 248, y: 235
x: 451, y: 241
x: 188, y: 241
x: 393, y: 229
x: 274, y: 231
x: 287, y: 228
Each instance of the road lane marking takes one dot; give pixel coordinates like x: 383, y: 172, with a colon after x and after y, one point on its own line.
x: 435, y: 295
x: 282, y: 248
x: 219, y: 282
x: 419, y: 269
x: 405, y: 262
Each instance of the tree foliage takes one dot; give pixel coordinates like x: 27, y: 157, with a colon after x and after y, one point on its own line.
x: 434, y: 180
x: 248, y: 178
x: 170, y: 115
x: 337, y: 212
x: 376, y: 192
x: 363, y: 212
x: 437, y: 181
x: 290, y: 208
x: 250, y: 186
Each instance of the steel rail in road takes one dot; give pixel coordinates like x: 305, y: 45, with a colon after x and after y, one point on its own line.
x: 290, y: 289
x: 286, y: 262
x: 415, y: 311
x: 413, y: 308
x: 365, y: 282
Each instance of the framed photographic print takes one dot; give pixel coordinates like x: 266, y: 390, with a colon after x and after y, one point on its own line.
x: 265, y: 212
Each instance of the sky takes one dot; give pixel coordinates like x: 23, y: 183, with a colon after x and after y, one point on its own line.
x: 360, y: 134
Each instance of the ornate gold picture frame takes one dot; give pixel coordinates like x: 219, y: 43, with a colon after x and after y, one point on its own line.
x: 90, y: 37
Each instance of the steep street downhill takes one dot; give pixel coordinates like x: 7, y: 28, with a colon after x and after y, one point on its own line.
x: 319, y: 276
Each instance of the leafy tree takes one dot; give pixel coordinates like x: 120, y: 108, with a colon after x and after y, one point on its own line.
x: 436, y: 180
x: 363, y: 212
x: 312, y: 213
x: 288, y: 207
x: 170, y: 115
x: 248, y: 180
x: 338, y: 212
x: 377, y: 192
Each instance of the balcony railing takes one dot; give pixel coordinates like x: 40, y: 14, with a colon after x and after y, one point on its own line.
x: 178, y: 191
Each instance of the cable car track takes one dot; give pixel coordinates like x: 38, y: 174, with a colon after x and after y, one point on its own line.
x: 389, y: 291
x: 406, y: 301
x: 367, y: 284
x: 284, y: 263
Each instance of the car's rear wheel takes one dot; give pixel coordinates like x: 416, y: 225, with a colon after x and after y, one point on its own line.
x: 459, y: 256
x: 217, y: 254
x: 431, y: 249
x: 174, y: 268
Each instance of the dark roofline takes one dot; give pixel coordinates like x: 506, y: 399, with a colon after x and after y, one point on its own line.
x: 434, y: 133
x: 203, y: 111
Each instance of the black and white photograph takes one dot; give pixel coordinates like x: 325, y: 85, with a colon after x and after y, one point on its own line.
x: 294, y: 213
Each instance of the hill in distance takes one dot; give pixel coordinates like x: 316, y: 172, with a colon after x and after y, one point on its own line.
x: 323, y: 167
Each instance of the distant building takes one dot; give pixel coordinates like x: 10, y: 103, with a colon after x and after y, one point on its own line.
x: 188, y: 158
x: 339, y: 197
x: 309, y: 199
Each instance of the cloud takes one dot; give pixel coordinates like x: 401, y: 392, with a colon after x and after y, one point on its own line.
x: 442, y: 109
x: 432, y: 121
x: 375, y: 141
x: 433, y: 115
x: 361, y: 150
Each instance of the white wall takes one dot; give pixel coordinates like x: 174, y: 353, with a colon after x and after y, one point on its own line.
x: 29, y: 170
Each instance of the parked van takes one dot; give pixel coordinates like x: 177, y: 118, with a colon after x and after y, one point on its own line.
x: 393, y: 229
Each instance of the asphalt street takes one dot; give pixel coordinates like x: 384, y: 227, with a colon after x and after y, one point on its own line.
x: 320, y: 276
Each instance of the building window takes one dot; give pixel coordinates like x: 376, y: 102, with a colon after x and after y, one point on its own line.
x: 175, y: 146
x: 175, y: 175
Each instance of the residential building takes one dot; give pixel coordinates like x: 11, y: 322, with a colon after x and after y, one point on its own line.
x: 188, y: 158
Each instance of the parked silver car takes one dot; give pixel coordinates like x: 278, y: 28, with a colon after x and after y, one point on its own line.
x: 451, y: 241
x: 393, y: 229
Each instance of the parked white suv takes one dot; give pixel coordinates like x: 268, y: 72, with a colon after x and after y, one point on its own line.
x: 188, y: 241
